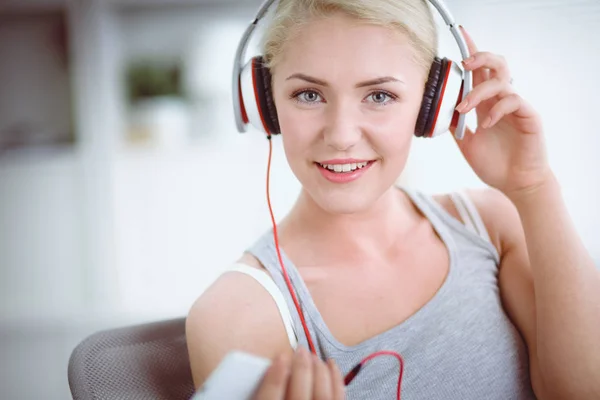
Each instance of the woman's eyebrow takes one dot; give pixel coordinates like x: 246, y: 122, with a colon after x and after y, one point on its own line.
x: 379, y: 81
x: 371, y: 82
x: 307, y: 79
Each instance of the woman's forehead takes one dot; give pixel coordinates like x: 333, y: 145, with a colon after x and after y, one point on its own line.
x: 343, y: 45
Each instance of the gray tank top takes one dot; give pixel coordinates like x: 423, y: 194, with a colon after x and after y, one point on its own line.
x: 459, y: 345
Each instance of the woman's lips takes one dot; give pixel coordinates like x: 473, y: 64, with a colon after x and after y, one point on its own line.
x: 343, y: 177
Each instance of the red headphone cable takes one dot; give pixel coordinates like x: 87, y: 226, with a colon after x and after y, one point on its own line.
x: 354, y: 371
x: 285, y: 274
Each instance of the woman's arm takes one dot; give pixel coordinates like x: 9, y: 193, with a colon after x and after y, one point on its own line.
x: 551, y: 290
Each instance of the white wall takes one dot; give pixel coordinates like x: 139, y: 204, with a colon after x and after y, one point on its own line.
x: 41, y: 232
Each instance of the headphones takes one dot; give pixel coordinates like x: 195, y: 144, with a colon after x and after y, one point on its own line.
x: 446, y: 87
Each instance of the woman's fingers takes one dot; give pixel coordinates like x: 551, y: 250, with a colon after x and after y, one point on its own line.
x: 300, y: 386
x: 301, y: 377
x: 507, y: 105
x: 479, y: 75
x: 322, y: 389
x: 485, y: 60
x: 484, y: 91
x: 337, y: 381
x: 274, y: 382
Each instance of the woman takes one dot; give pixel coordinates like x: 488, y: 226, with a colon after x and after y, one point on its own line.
x: 490, y: 295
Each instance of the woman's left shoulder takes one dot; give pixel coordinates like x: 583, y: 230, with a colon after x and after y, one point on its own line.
x: 497, y: 212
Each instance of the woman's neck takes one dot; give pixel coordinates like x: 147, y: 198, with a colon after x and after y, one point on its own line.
x: 374, y: 231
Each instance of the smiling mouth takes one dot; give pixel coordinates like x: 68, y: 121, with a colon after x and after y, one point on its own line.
x: 345, y: 168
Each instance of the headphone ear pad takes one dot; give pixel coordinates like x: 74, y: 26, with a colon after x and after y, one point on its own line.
x: 266, y: 103
x: 431, y: 96
x: 257, y: 98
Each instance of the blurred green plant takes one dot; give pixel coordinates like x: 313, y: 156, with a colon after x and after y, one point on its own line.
x: 146, y: 80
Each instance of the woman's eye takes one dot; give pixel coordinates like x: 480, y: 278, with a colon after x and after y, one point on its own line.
x: 381, y: 97
x: 308, y: 96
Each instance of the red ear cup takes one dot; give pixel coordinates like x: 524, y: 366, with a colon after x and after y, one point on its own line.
x: 440, y: 97
x: 257, y: 98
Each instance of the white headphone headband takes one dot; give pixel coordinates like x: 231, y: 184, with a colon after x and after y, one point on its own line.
x: 241, y: 50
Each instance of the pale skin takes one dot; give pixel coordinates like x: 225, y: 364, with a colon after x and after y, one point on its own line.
x: 364, y: 234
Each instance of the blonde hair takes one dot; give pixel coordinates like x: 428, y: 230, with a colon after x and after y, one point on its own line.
x: 411, y: 17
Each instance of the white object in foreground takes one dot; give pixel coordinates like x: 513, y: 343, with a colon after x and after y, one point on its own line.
x: 236, y: 377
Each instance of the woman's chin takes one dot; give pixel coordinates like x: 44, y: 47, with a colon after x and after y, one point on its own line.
x: 344, y: 202
x: 354, y: 197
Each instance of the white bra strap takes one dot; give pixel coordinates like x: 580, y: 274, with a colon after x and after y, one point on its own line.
x: 469, y: 214
x: 267, y: 282
x: 464, y: 214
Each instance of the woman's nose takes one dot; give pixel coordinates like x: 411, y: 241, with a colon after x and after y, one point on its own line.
x: 342, y: 131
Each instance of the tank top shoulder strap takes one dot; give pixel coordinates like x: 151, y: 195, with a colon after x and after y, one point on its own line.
x: 265, y: 251
x: 469, y: 214
x: 473, y: 229
x: 265, y: 280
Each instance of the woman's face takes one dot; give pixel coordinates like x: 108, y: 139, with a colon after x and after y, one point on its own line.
x: 347, y: 95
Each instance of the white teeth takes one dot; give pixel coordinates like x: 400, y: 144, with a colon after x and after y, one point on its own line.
x: 344, y: 167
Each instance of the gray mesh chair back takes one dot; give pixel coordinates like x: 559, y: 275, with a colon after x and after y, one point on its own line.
x: 148, y: 361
